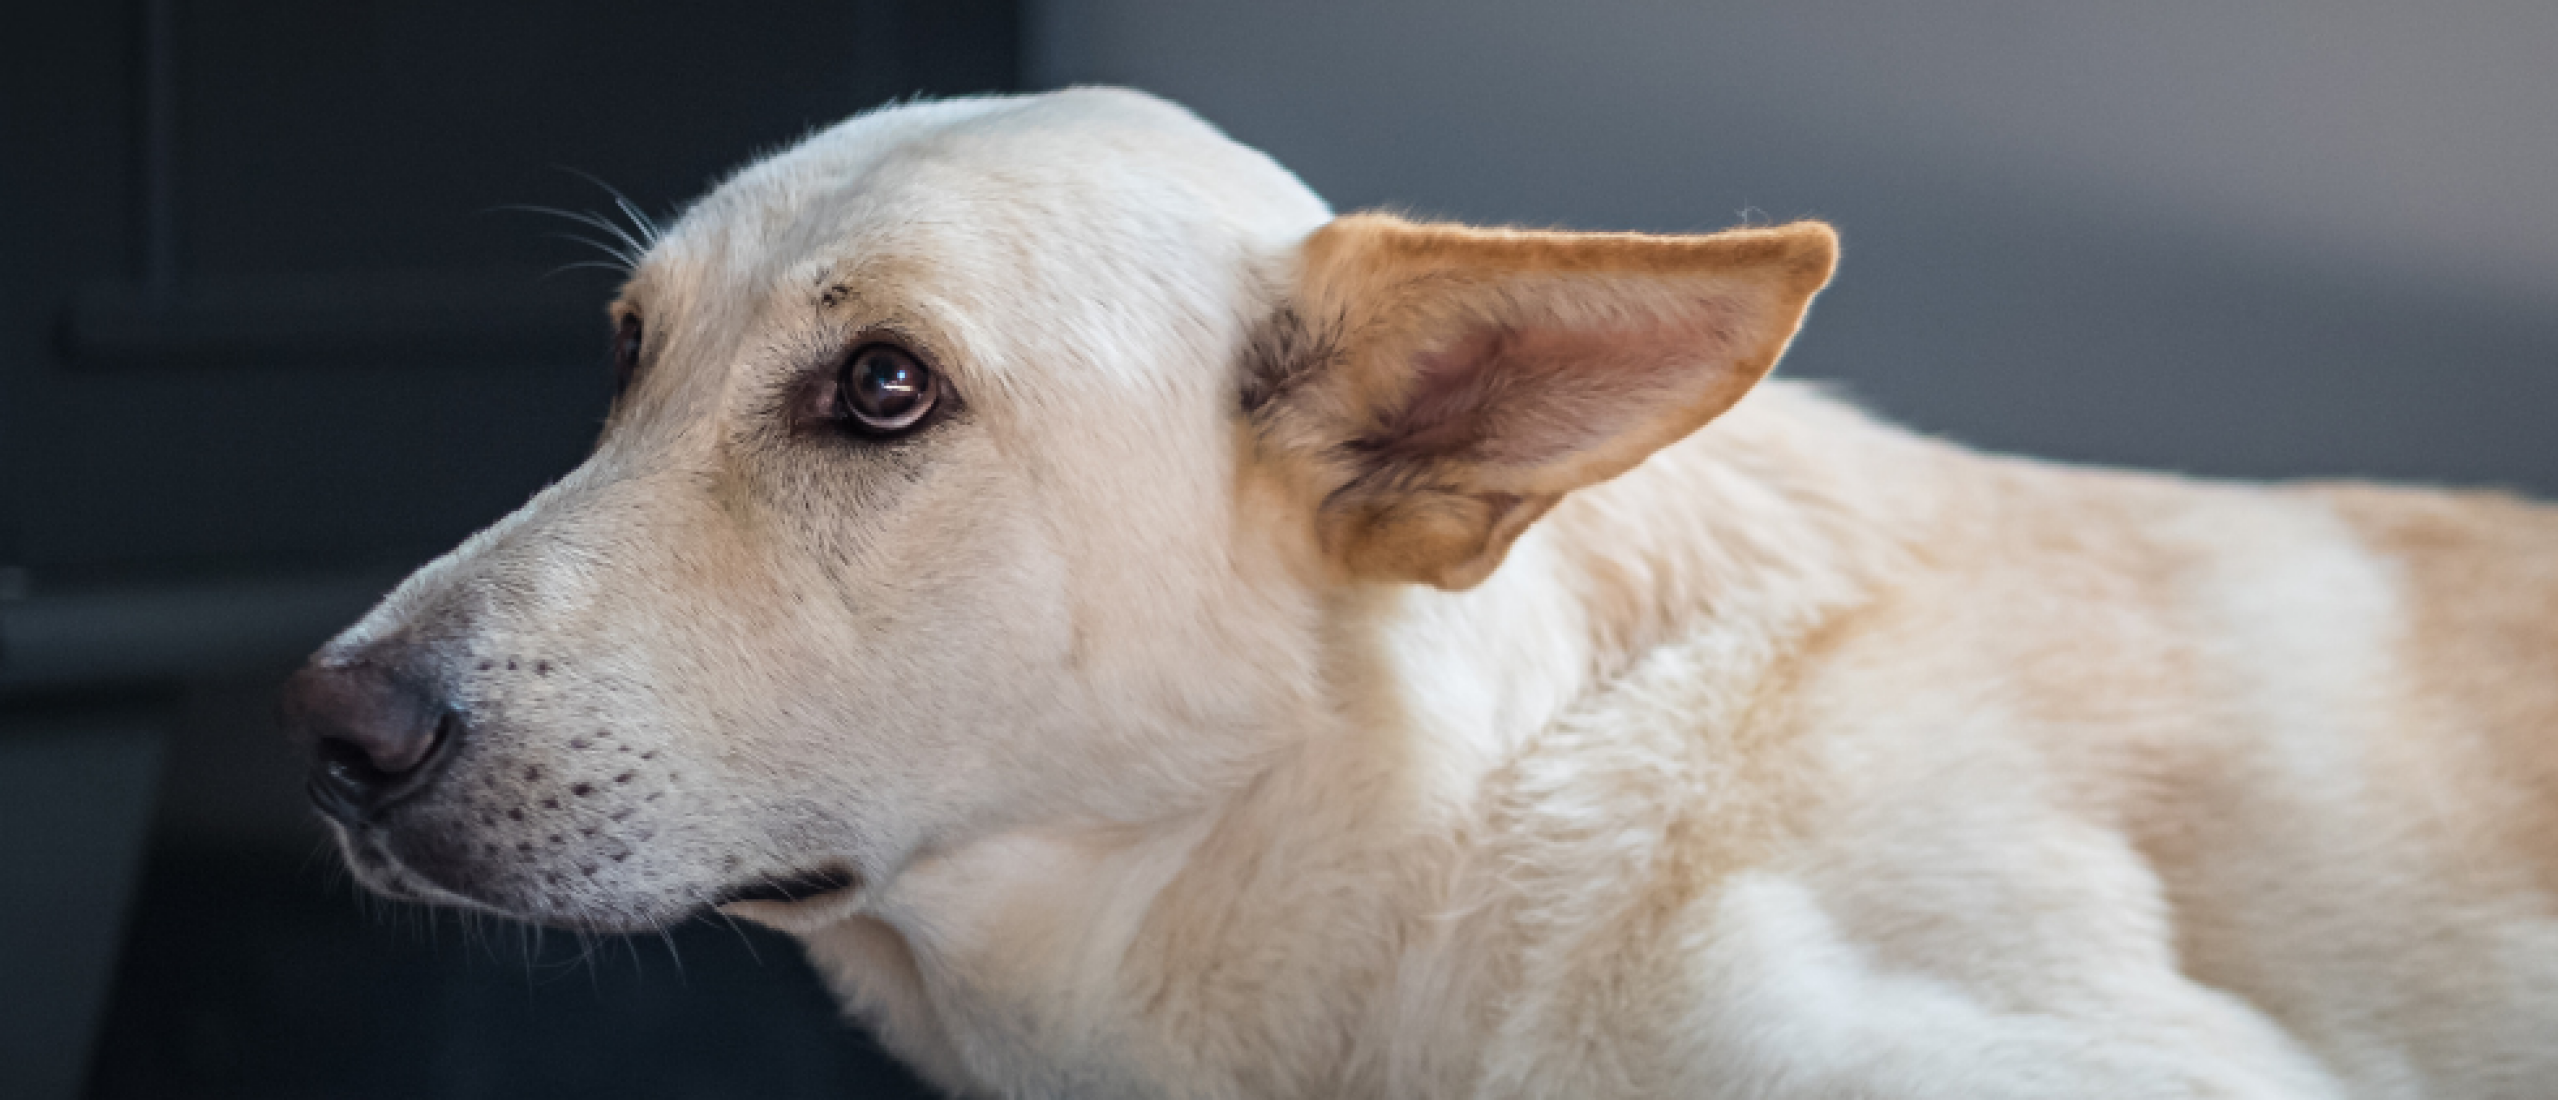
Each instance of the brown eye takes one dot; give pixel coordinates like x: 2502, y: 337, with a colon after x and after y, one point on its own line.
x: 626, y: 352
x: 882, y: 390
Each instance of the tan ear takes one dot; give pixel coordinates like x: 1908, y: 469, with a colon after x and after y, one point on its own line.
x: 1444, y: 385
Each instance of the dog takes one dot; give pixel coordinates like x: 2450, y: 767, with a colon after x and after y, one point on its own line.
x: 1148, y: 636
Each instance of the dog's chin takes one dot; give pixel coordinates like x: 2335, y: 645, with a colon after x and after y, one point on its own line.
x: 379, y: 867
x: 800, y: 902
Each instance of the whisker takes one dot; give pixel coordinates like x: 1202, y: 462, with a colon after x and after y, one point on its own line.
x: 627, y: 260
x: 668, y: 938
x: 591, y: 221
x: 583, y: 265
x: 646, y: 225
x: 743, y: 938
x: 705, y: 906
x: 321, y: 848
x: 587, y: 218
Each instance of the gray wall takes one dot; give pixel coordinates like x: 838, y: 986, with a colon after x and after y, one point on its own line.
x: 2272, y: 239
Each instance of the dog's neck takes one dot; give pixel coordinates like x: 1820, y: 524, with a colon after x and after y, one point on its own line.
x: 1771, y: 518
x: 1248, y: 944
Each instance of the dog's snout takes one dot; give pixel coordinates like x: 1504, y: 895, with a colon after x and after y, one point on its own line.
x: 373, y: 736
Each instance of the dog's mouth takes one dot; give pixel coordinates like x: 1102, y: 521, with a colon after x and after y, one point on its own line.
x: 797, y: 903
x: 805, y: 886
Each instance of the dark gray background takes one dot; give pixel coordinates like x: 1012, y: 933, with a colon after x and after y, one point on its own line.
x: 2285, y: 238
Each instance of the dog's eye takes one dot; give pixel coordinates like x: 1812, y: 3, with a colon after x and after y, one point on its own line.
x: 882, y: 390
x: 626, y: 351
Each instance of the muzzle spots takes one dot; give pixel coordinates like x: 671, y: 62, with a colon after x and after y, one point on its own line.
x: 537, y: 821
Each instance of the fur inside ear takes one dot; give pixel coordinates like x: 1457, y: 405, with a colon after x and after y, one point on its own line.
x: 1442, y: 386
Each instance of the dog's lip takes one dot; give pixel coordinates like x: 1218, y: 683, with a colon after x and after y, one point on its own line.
x: 791, y: 889
x: 386, y: 871
x: 797, y: 903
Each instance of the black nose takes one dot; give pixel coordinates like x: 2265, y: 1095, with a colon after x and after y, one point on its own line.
x: 373, y: 736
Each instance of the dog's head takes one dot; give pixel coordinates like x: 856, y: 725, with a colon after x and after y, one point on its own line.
x: 985, y: 464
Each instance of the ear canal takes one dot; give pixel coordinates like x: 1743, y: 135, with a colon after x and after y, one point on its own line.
x: 1446, y: 385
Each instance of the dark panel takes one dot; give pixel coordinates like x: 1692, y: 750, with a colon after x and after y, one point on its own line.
x: 267, y: 339
x: 75, y: 791
x: 342, y: 348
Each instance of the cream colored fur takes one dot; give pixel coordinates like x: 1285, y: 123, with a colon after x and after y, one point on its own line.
x: 1807, y: 758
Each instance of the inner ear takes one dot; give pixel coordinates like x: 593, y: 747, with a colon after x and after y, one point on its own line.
x: 1465, y: 379
x: 1547, y: 402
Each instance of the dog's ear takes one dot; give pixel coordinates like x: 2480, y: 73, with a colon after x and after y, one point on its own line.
x: 1442, y: 386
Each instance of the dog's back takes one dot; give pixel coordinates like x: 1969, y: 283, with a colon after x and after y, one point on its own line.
x: 2325, y: 719
x: 2388, y: 892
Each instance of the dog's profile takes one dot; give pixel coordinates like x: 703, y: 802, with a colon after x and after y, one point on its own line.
x: 1148, y: 636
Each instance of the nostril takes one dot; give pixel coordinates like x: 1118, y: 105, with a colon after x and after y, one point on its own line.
x: 371, y: 735
x: 349, y: 768
x: 344, y: 782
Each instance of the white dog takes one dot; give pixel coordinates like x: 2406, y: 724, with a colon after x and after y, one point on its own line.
x: 1150, y: 637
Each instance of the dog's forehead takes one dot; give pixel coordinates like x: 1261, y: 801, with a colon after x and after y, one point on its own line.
x: 1017, y: 175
